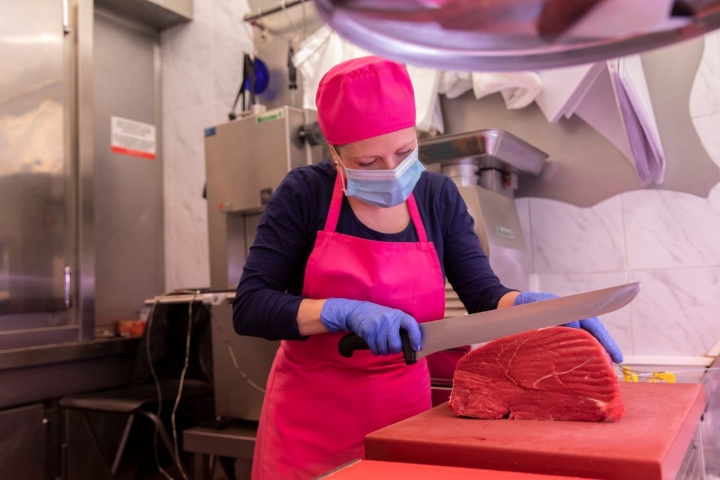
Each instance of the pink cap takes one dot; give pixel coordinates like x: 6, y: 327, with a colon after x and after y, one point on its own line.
x: 364, y: 98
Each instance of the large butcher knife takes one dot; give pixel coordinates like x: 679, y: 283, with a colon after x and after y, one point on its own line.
x: 485, y: 326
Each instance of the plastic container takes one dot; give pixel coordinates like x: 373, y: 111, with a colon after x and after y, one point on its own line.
x: 702, y: 460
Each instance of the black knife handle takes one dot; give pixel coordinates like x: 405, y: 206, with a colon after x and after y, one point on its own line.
x: 351, y: 342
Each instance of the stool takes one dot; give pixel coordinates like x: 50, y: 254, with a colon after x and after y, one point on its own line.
x: 134, y: 401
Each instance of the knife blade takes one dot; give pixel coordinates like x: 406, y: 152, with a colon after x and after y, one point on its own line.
x: 481, y: 327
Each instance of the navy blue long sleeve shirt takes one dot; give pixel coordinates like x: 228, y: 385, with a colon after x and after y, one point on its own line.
x: 269, y: 293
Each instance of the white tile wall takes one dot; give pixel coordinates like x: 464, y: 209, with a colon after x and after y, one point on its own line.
x: 669, y: 241
x: 186, y: 240
x: 202, y: 69
x: 187, y: 64
x: 569, y: 239
x: 667, y: 229
x: 678, y: 311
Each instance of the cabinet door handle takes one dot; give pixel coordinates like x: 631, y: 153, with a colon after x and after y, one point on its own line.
x: 68, y: 289
x: 66, y: 17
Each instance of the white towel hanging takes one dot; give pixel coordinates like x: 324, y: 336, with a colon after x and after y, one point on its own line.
x: 518, y: 89
x: 324, y: 49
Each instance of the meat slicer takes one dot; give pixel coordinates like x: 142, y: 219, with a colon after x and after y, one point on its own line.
x: 485, y: 165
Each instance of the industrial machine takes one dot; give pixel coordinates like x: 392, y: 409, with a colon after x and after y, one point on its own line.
x: 246, y: 160
x: 485, y: 165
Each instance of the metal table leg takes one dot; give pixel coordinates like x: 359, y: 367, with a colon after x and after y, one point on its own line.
x: 202, y: 467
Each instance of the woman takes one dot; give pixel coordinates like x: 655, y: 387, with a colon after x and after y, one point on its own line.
x: 360, y: 244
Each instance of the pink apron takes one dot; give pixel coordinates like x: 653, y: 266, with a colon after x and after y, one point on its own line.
x: 320, y: 406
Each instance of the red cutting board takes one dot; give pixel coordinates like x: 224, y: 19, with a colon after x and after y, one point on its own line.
x: 648, y: 443
x: 369, y: 469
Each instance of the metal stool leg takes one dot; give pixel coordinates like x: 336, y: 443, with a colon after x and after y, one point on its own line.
x: 123, y: 442
x: 199, y: 466
x: 165, y: 438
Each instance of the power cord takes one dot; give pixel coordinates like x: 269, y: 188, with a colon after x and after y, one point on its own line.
x: 182, y: 382
x: 214, y: 300
x: 157, y: 386
x: 159, y: 390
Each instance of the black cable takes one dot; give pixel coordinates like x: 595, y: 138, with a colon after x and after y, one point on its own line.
x: 248, y: 76
x: 182, y: 382
x: 250, y: 69
x: 292, y: 72
x: 241, y: 91
x: 151, y: 315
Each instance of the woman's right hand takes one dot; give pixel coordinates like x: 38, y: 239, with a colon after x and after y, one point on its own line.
x: 379, y: 326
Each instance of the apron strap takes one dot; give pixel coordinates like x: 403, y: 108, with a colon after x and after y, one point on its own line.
x: 336, y: 205
x: 417, y: 220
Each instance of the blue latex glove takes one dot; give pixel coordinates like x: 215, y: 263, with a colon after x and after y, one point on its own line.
x: 592, y: 325
x: 379, y: 326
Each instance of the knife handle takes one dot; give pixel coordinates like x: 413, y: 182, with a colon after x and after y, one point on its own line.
x: 351, y: 342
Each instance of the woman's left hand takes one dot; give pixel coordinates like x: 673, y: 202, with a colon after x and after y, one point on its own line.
x: 593, y: 325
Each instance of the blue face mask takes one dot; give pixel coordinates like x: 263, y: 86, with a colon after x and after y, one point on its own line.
x: 385, y: 188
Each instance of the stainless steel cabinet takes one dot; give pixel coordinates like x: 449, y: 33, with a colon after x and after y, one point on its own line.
x: 128, y: 194
x: 22, y: 443
x: 37, y: 200
x: 34, y: 207
x: 80, y: 227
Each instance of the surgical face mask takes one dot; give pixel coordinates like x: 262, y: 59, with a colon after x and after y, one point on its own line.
x: 384, y: 188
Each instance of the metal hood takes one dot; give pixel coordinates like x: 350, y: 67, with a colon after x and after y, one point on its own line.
x: 513, y: 35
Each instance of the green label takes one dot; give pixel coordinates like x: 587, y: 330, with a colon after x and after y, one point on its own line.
x: 505, y: 232
x: 270, y: 116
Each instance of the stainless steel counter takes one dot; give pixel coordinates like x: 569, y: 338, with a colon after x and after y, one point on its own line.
x: 66, y: 352
x: 40, y: 373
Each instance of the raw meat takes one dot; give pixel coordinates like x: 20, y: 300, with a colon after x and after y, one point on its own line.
x: 554, y: 373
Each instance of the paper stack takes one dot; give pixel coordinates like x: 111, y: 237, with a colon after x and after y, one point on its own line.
x: 564, y: 89
x: 612, y: 97
x: 599, y: 109
x: 638, y: 118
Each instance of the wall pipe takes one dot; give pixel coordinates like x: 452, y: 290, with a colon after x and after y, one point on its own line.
x: 252, y: 17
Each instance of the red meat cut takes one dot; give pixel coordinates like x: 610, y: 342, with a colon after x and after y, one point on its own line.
x: 554, y: 373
